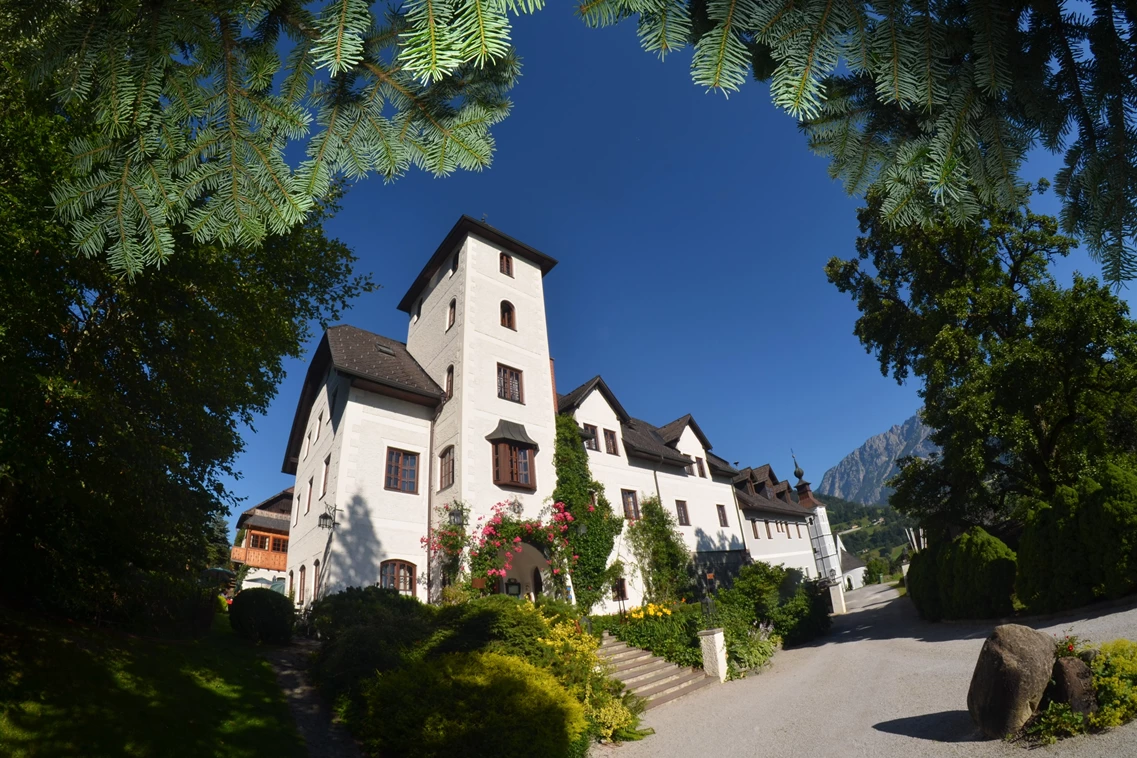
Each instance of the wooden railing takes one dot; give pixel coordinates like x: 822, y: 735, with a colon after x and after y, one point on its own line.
x: 265, y: 559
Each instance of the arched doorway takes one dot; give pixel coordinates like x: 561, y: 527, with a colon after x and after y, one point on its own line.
x: 528, y: 573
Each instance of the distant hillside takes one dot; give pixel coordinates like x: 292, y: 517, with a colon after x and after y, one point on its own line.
x: 860, y: 476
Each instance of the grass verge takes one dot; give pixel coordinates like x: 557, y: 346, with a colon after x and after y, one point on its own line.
x: 67, y: 689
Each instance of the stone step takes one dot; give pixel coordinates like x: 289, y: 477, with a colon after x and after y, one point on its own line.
x: 686, y: 689
x: 634, y: 676
x: 680, y: 680
x: 625, y: 655
x: 654, y: 678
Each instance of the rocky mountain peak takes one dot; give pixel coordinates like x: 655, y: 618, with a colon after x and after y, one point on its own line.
x: 860, y: 476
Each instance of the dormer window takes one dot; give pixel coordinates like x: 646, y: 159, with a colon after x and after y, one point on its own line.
x: 451, y: 313
x: 507, y: 315
x: 702, y: 469
x: 505, y: 264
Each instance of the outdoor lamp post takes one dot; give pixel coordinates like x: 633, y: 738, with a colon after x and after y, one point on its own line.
x: 457, y: 518
x: 327, y: 519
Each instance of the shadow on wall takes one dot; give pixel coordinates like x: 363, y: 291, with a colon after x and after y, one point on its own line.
x: 355, y: 561
x: 706, y: 543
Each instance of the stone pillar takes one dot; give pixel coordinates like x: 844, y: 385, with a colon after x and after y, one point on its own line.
x: 837, y: 595
x: 713, y: 644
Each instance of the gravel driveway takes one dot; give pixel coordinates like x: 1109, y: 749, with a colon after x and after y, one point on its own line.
x: 882, y: 683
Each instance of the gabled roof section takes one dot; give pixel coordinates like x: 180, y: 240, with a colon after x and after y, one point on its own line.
x: 465, y: 227
x: 850, y: 562
x: 642, y: 440
x: 271, y: 514
x: 381, y: 361
x: 720, y: 466
x: 754, y: 505
x: 673, y: 431
x: 570, y: 402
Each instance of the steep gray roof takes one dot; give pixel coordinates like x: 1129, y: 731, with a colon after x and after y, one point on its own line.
x: 720, y: 466
x: 271, y: 514
x: 642, y: 440
x: 756, y: 504
x: 381, y: 361
x: 673, y: 431
x: 378, y: 359
x: 570, y: 402
x: 850, y: 562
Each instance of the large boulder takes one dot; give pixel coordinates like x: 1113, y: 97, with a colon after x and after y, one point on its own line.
x: 1071, y: 682
x: 1010, y: 679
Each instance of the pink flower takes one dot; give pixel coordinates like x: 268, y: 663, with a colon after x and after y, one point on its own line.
x: 591, y: 508
x: 576, y: 557
x: 516, y: 539
x: 556, y: 571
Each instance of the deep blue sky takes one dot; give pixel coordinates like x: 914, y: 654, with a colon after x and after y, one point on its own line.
x: 691, y: 232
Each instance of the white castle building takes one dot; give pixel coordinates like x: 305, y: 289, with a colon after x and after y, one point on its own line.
x: 464, y: 410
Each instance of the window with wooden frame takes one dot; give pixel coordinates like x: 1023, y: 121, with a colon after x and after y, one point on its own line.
x: 513, y: 465
x: 510, y: 384
x: 798, y: 530
x: 303, y: 571
x: 754, y: 524
x: 398, y: 575
x: 690, y: 469
x: 451, y: 313
x: 291, y: 587
x: 308, y: 502
x: 592, y: 442
x: 769, y: 534
x: 778, y: 526
x: 449, y: 382
x: 319, y: 423
x: 631, y: 505
x: 610, y: 444
x: 789, y: 534
x: 296, y: 519
x: 681, y: 513
x: 620, y: 589
x: 722, y: 515
x: 508, y: 319
x: 315, y: 581
x: 402, y: 471
x: 258, y: 541
x: 324, y: 478
x: 446, y: 468
x: 307, y: 444
x: 702, y: 469
x: 280, y: 544
x: 505, y: 264
x: 454, y: 264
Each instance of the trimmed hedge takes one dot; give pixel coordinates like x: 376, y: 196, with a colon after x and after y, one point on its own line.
x: 972, y: 577
x: 262, y: 615
x: 471, y: 704
x: 1083, y: 545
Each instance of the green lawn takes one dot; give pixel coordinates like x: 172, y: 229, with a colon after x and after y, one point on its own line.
x: 69, y: 690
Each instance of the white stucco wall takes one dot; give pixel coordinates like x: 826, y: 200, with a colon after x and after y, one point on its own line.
x: 784, y: 547
x: 702, y: 496
x: 375, y: 524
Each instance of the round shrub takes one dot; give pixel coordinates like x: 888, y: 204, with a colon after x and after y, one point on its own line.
x: 262, y: 615
x: 1083, y: 544
x: 366, y: 606
x: 923, y: 582
x: 977, y: 577
x: 496, y: 623
x: 470, y: 704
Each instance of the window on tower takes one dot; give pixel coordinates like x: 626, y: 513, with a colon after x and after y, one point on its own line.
x: 508, y: 319
x: 505, y: 264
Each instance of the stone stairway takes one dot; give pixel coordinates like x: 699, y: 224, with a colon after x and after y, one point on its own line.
x: 654, y: 679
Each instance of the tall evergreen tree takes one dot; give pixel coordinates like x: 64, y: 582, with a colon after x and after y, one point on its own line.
x: 932, y: 103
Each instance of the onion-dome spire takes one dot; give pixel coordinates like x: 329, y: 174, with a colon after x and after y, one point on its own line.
x: 797, y: 469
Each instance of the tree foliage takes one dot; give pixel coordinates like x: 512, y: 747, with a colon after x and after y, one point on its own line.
x: 661, y: 556
x: 595, y: 525
x: 934, y: 104
x: 120, y: 400
x: 1025, y: 382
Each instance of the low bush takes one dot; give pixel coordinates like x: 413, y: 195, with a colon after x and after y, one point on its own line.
x: 804, y: 616
x: 922, y: 582
x: 669, y: 631
x: 356, y: 606
x: 262, y: 615
x: 976, y: 577
x: 470, y: 704
x: 1114, y: 671
x: 1083, y: 544
x: 798, y: 609
x: 972, y: 577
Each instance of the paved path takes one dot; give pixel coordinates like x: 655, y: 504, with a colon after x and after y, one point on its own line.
x: 323, y: 737
x: 882, y: 683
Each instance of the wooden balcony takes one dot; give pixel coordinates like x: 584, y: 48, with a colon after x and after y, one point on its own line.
x: 265, y: 559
